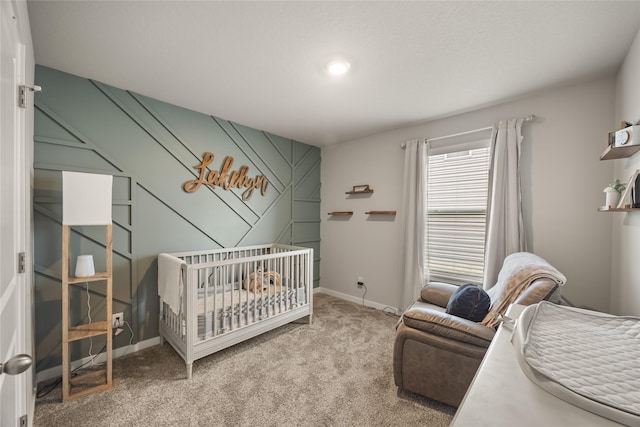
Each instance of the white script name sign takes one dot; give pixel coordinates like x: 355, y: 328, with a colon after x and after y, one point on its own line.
x: 226, y: 179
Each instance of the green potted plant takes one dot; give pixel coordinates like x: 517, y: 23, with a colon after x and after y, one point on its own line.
x: 613, y: 193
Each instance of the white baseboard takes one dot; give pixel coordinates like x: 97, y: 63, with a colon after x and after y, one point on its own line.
x: 56, y: 371
x: 357, y: 300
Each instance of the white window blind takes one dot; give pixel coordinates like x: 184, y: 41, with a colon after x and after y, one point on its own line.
x: 457, y: 186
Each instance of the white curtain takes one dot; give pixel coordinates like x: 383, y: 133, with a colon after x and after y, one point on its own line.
x: 414, y: 205
x: 505, y: 232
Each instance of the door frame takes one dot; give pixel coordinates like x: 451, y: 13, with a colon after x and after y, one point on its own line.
x: 24, y: 128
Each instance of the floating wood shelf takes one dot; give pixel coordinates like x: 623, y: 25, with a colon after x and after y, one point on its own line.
x: 341, y: 213
x: 627, y: 208
x: 360, y: 192
x: 612, y: 152
x: 380, y: 213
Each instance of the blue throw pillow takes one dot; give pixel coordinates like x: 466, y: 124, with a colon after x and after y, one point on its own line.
x: 469, y: 302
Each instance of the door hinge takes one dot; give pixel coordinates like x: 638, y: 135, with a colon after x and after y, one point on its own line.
x: 22, y: 94
x: 22, y: 262
x: 23, y: 421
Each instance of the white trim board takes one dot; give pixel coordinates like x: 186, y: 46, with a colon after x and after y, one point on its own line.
x: 56, y: 371
x: 357, y: 300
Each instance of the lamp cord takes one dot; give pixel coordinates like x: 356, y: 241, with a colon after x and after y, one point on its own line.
x: 46, y: 389
x: 89, y: 315
x: 389, y: 311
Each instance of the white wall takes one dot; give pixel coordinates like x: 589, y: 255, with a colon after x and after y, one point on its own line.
x: 625, y: 277
x: 562, y: 184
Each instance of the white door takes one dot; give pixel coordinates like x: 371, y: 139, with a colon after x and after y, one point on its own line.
x: 15, y: 295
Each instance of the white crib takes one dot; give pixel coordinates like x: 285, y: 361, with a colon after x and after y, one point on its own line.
x: 215, y: 311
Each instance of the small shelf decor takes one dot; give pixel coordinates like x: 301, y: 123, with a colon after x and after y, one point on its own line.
x: 620, y: 143
x: 617, y: 193
x: 613, y: 192
x: 360, y: 189
x: 336, y: 213
x: 624, y: 192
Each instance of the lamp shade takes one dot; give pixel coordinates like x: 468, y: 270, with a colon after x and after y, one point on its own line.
x: 84, y: 266
x: 86, y: 198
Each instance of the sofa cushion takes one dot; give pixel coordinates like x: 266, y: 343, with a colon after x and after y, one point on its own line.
x: 437, y: 293
x: 441, y: 325
x: 469, y: 302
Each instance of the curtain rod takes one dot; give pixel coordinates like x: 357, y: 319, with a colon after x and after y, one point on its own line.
x: 459, y: 134
x: 526, y: 119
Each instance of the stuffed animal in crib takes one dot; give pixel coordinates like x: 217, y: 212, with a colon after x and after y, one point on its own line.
x: 255, y: 283
x: 272, y: 278
x: 260, y: 281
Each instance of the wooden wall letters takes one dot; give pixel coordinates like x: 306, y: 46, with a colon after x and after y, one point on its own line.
x: 226, y: 179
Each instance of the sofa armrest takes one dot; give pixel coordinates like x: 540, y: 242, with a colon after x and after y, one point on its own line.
x: 437, y: 293
x: 447, y: 326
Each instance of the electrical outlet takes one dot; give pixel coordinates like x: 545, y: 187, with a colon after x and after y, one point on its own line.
x: 117, y: 320
x: 360, y: 281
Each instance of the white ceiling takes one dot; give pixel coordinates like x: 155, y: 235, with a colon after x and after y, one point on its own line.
x: 262, y: 63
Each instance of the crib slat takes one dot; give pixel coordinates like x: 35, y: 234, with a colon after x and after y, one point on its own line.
x: 269, y: 304
x: 246, y: 293
x: 214, y: 313
x: 232, y: 302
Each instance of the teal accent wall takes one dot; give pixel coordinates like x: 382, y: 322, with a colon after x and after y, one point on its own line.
x: 151, y: 148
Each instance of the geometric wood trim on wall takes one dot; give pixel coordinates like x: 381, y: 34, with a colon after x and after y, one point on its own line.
x: 152, y: 148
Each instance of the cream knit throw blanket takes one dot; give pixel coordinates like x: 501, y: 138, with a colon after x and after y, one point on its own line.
x: 518, y: 271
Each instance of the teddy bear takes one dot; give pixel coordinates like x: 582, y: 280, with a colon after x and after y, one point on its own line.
x: 260, y: 281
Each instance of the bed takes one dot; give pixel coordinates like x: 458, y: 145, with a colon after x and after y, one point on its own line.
x: 210, y: 300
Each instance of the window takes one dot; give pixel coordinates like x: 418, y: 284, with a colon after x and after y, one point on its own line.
x: 457, y: 187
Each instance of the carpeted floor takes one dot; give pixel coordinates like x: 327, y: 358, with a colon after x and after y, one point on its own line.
x: 335, y: 372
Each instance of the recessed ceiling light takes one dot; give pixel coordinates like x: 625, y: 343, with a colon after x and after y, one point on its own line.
x: 338, y: 67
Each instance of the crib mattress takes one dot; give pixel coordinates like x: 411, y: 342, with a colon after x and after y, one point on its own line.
x: 239, y: 307
x: 234, y: 308
x: 235, y: 296
x: 586, y: 358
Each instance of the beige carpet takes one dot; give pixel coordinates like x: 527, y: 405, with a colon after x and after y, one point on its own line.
x: 336, y: 372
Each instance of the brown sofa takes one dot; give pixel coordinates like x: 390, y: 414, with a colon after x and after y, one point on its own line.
x: 437, y: 354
